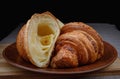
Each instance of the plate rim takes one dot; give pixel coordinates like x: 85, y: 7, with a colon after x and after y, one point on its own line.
x: 43, y: 70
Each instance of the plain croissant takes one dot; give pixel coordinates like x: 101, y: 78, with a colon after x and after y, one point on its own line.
x: 36, y: 39
x: 78, y: 44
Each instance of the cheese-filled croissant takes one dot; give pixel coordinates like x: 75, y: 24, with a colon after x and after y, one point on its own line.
x: 36, y: 39
x: 78, y: 44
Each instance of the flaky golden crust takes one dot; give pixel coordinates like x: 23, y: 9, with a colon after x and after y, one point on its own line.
x: 80, y: 40
x: 65, y: 58
x: 84, y: 27
x: 20, y: 43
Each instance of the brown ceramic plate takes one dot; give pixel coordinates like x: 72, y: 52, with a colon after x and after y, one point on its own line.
x: 11, y: 55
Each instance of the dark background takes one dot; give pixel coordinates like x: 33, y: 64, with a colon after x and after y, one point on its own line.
x: 16, y: 12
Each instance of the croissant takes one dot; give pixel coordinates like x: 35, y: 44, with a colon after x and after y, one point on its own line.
x: 36, y: 39
x: 78, y: 44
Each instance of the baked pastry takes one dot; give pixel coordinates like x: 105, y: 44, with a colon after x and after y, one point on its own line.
x: 36, y: 39
x: 78, y: 44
